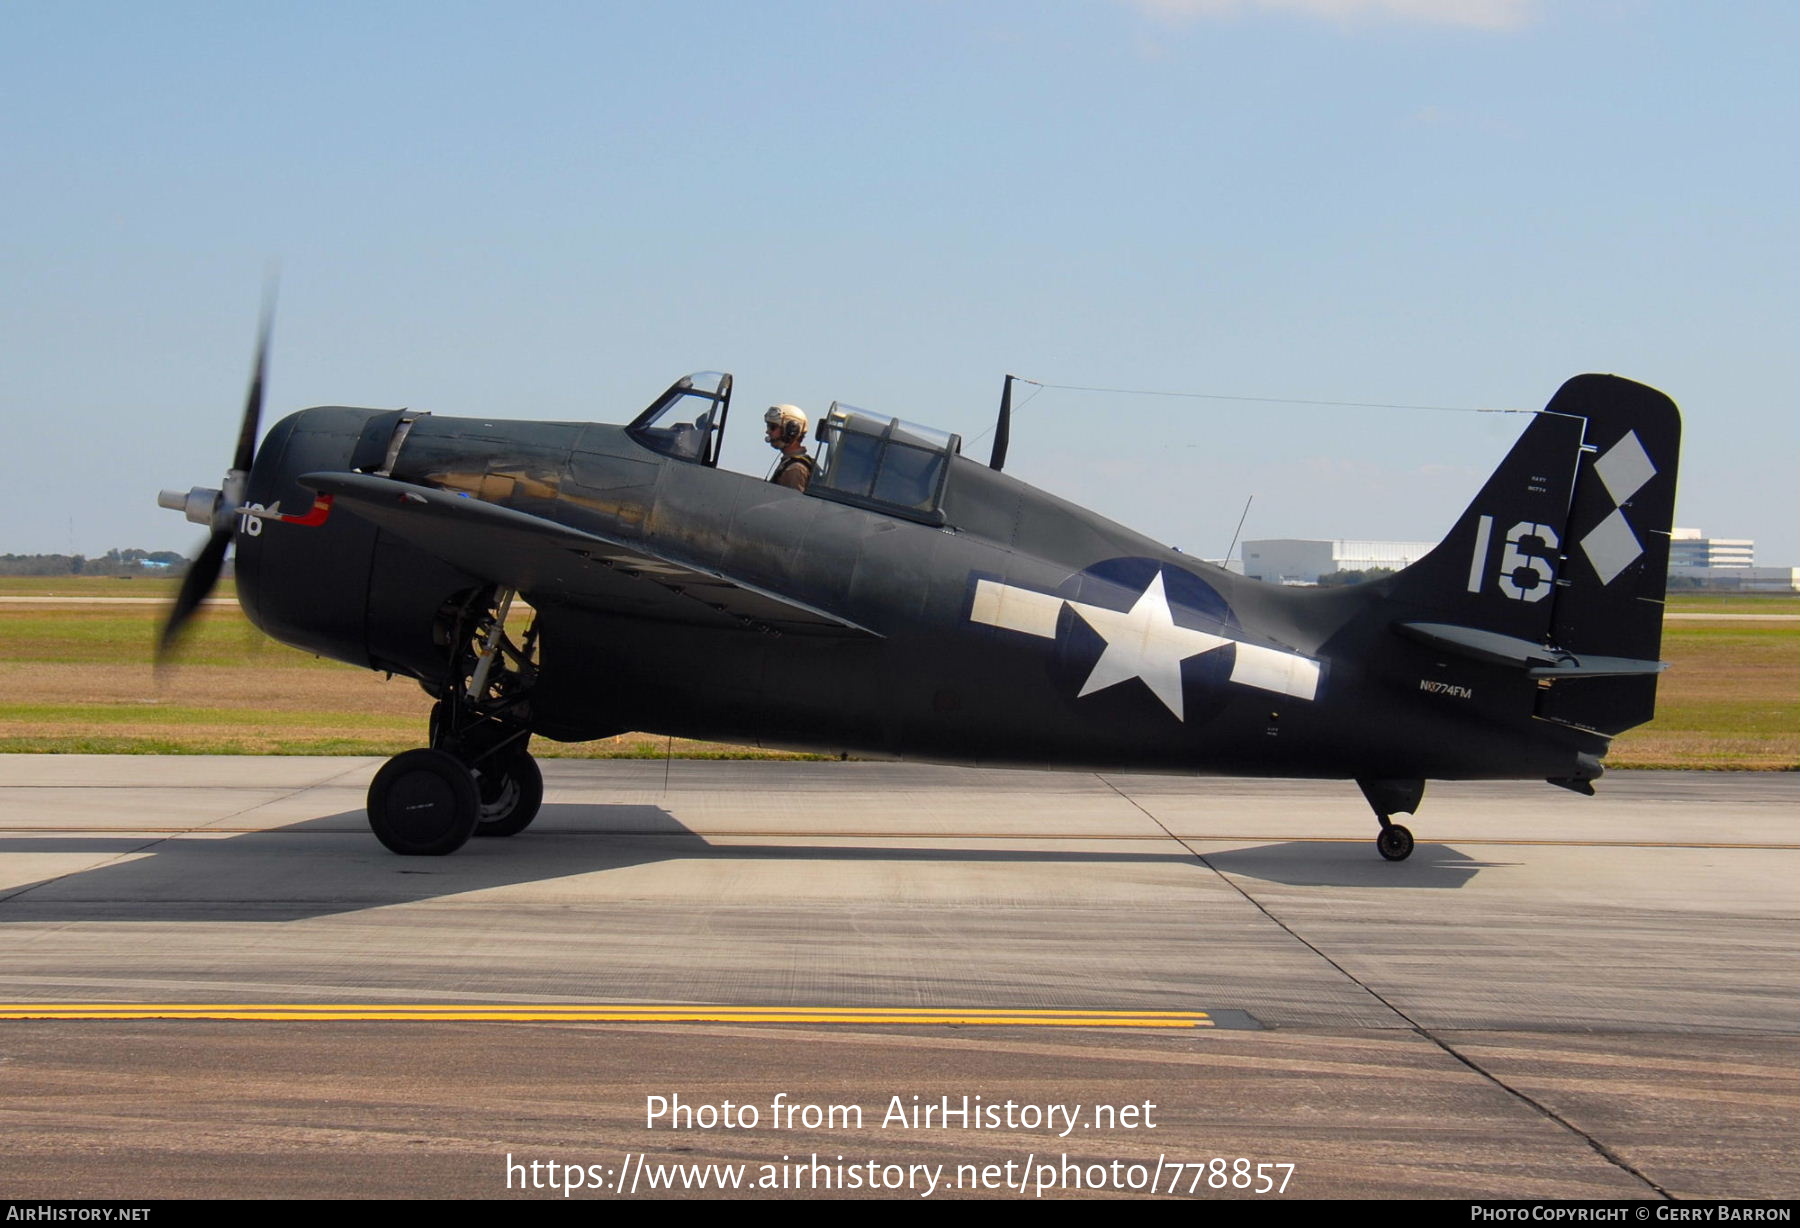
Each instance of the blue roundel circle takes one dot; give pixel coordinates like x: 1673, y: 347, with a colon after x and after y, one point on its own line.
x: 1124, y: 585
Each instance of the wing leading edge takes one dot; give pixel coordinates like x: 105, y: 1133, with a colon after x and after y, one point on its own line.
x: 550, y: 562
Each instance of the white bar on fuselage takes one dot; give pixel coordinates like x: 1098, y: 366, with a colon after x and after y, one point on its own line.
x: 1267, y: 669
x: 1016, y: 609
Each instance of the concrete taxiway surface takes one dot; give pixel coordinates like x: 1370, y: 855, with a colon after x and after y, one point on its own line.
x: 1555, y: 997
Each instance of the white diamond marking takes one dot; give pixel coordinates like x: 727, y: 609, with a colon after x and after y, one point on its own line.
x: 1625, y: 468
x: 1612, y: 546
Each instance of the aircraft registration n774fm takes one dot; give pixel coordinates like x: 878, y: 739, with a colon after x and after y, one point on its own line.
x: 913, y: 602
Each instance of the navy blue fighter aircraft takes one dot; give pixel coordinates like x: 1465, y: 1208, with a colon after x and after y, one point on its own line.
x: 913, y: 602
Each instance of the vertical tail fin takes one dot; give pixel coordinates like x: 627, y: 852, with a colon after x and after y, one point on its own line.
x: 1567, y: 547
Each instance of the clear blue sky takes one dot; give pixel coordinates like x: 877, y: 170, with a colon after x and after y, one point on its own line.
x: 552, y: 210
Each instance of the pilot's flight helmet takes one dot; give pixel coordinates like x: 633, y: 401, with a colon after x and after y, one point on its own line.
x: 790, y: 418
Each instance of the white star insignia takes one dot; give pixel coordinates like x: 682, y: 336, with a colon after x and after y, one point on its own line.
x: 1144, y: 642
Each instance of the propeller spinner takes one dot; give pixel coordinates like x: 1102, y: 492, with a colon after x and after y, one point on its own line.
x: 217, y: 509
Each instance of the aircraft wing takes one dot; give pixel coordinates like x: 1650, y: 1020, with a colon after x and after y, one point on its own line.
x: 550, y: 562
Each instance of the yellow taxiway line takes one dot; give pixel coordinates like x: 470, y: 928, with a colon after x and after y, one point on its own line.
x: 729, y: 834
x: 579, y: 1013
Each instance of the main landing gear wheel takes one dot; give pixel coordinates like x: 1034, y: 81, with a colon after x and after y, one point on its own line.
x: 511, y: 789
x: 423, y: 803
x: 1395, y: 842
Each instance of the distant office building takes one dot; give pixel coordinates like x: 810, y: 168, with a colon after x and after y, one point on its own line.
x: 1286, y: 560
x: 1692, y: 548
x: 1736, y: 579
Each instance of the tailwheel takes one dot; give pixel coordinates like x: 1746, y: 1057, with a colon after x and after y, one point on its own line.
x: 1388, y: 796
x: 1395, y: 842
x: 511, y: 789
x: 423, y: 803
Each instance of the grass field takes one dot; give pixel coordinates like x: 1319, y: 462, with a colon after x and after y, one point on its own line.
x: 84, y: 685
x: 96, y: 586
x: 82, y: 682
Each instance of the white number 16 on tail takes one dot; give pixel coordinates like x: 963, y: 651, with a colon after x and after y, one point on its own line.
x: 1522, y: 576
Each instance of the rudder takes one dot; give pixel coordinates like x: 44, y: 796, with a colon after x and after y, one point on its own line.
x: 1609, y: 598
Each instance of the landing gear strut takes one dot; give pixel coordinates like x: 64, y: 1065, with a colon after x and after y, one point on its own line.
x: 477, y: 778
x: 1389, y: 797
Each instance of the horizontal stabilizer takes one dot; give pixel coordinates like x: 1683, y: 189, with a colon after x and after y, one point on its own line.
x: 550, y: 562
x: 1599, y: 667
x: 1535, y: 659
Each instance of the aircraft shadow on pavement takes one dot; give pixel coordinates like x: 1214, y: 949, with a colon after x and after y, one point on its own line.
x: 1302, y: 863
x: 300, y: 871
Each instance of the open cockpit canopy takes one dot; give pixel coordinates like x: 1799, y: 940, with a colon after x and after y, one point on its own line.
x: 883, y: 463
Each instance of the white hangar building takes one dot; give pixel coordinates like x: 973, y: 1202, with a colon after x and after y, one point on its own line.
x: 1288, y: 560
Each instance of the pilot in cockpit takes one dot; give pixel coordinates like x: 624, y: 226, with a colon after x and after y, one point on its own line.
x: 787, y: 435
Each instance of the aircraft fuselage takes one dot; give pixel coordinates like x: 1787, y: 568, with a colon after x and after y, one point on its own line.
x: 1022, y: 630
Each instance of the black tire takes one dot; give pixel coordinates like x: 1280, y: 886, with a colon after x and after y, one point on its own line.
x: 1395, y: 842
x: 423, y: 803
x: 511, y: 791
